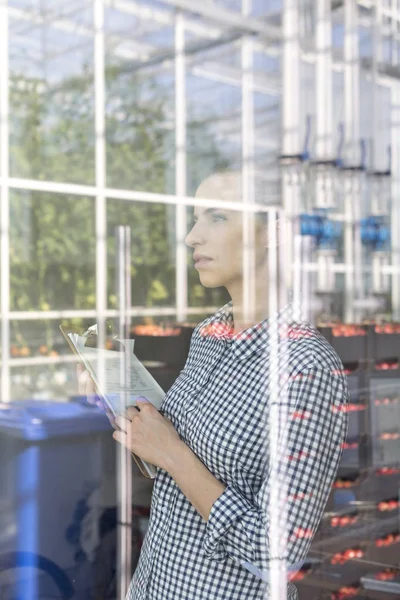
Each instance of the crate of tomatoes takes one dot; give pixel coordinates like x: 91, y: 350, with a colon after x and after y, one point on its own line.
x: 385, y: 342
x: 349, y: 340
x: 164, y: 344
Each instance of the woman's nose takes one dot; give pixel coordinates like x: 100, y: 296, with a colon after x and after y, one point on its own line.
x: 194, y: 237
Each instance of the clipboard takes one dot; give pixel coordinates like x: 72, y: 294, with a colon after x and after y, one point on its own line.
x: 84, y: 345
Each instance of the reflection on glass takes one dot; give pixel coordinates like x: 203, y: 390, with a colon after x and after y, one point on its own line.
x: 42, y: 365
x: 51, y: 93
x: 213, y: 129
x: 152, y: 251
x: 140, y: 143
x: 267, y: 143
x: 139, y: 104
x: 52, y: 252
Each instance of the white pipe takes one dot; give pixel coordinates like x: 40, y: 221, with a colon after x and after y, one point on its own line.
x: 248, y: 174
x: 180, y: 169
x: 100, y: 170
x: 129, y: 195
x: 353, y: 187
x: 134, y: 311
x: 291, y: 143
x: 395, y: 205
x: 5, y: 204
x: 124, y: 458
x: 277, y: 420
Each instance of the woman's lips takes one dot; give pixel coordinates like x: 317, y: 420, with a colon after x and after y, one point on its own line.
x: 202, y: 262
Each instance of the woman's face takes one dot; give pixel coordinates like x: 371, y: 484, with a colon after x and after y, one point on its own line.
x: 217, y: 234
x: 216, y: 238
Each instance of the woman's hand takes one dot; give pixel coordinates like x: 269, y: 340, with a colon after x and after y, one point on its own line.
x: 149, y: 435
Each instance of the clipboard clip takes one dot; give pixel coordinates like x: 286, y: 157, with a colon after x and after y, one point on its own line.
x: 92, y: 333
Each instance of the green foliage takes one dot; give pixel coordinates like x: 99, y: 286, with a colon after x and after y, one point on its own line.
x: 53, y: 249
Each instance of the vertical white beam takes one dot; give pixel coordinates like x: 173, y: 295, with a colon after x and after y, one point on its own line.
x: 291, y: 143
x: 324, y: 128
x: 376, y: 61
x: 124, y: 457
x: 351, y: 81
x: 124, y: 467
x: 352, y: 183
x: 277, y: 416
x: 248, y: 174
x: 100, y: 152
x: 291, y: 78
x: 395, y: 213
x: 5, y: 207
x: 324, y: 87
x: 180, y: 168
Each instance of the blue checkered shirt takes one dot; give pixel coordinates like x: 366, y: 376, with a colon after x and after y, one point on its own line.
x: 219, y: 405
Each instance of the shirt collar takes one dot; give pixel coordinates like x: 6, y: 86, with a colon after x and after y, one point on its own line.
x: 253, y: 339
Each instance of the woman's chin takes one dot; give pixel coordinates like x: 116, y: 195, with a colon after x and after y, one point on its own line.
x: 209, y: 281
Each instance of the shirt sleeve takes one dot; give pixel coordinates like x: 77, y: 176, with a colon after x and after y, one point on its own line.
x: 316, y: 429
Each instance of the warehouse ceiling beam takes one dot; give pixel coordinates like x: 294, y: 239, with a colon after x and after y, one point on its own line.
x: 227, y: 18
x: 162, y: 17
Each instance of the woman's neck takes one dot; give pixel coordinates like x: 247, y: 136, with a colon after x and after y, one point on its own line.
x: 258, y: 309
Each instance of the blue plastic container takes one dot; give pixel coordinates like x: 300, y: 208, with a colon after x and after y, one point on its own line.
x: 51, y: 470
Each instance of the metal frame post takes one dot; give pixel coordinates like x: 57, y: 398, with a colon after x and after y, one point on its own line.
x: 181, y: 276
x: 248, y: 174
x: 124, y: 457
x: 395, y: 208
x: 352, y: 182
x: 290, y: 127
x: 100, y: 161
x: 277, y: 417
x: 324, y: 94
x: 324, y: 132
x: 5, y: 205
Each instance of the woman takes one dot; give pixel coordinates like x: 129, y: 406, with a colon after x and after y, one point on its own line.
x: 208, y: 535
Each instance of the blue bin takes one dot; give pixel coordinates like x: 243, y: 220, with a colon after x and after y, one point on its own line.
x: 51, y: 469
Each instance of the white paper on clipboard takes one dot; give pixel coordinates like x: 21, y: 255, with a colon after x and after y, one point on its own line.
x: 139, y: 382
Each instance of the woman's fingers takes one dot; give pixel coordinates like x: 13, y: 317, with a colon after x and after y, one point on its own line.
x: 111, y: 418
x: 122, y: 424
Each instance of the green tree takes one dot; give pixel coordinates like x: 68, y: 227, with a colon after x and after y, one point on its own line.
x: 52, y: 138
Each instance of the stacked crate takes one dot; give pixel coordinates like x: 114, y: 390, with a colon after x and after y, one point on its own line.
x: 356, y: 550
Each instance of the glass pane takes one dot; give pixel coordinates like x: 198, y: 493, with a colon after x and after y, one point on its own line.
x: 214, y: 128
x: 139, y: 104
x: 51, y: 92
x: 267, y: 7
x: 43, y: 366
x: 152, y: 251
x: 267, y: 142
x: 52, y: 252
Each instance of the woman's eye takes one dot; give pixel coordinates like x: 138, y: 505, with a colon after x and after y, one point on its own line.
x: 218, y: 218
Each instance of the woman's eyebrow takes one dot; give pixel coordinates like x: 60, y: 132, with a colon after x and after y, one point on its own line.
x: 208, y: 211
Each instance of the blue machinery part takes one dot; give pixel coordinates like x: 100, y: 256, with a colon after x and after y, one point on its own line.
x: 304, y: 155
x: 325, y: 231
x: 337, y: 162
x: 375, y: 232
